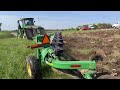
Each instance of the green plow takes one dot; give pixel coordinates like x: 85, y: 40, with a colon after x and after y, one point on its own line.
x: 48, y: 49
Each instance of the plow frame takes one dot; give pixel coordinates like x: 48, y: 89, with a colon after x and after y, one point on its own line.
x: 47, y: 56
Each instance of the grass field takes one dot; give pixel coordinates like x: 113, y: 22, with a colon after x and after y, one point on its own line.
x: 13, y: 53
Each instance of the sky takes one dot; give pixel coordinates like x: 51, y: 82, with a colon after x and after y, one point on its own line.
x: 58, y: 19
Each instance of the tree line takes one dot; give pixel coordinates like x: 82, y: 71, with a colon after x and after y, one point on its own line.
x: 102, y: 26
x: 96, y: 26
x: 99, y: 26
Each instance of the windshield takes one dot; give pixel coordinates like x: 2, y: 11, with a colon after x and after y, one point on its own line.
x: 29, y: 22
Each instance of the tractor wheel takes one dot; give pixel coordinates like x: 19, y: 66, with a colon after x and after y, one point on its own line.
x: 41, y: 31
x: 34, y: 32
x: 33, y: 68
x: 29, y: 34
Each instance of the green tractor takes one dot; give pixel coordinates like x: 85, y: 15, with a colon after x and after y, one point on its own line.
x: 0, y: 26
x: 27, y: 29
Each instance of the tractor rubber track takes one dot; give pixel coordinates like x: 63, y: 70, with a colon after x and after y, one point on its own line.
x: 57, y: 43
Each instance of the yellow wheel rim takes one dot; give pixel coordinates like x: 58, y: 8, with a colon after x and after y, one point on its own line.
x: 29, y: 69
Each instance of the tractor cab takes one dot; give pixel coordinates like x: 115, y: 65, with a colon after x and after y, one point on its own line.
x: 22, y: 23
x: 27, y: 28
x: 27, y: 21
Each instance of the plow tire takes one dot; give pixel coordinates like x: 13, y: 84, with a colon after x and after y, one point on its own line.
x: 34, y: 68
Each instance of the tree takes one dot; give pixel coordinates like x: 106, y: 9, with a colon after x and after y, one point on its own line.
x: 109, y: 25
x: 98, y: 26
x: 104, y: 26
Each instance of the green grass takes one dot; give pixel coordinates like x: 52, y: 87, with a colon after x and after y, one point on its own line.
x: 12, y: 58
x: 13, y: 53
x: 48, y: 73
x: 5, y: 34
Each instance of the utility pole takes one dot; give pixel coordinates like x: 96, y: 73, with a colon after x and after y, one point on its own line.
x: 0, y: 26
x: 38, y: 18
x: 8, y: 27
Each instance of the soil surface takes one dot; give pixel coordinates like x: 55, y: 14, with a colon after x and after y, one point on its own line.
x: 105, y: 44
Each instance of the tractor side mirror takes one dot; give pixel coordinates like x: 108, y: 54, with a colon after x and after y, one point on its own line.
x: 34, y: 21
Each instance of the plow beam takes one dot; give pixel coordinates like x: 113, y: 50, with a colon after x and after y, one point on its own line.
x: 72, y: 64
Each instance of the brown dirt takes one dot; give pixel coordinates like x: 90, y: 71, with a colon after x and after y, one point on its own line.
x: 104, y: 43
